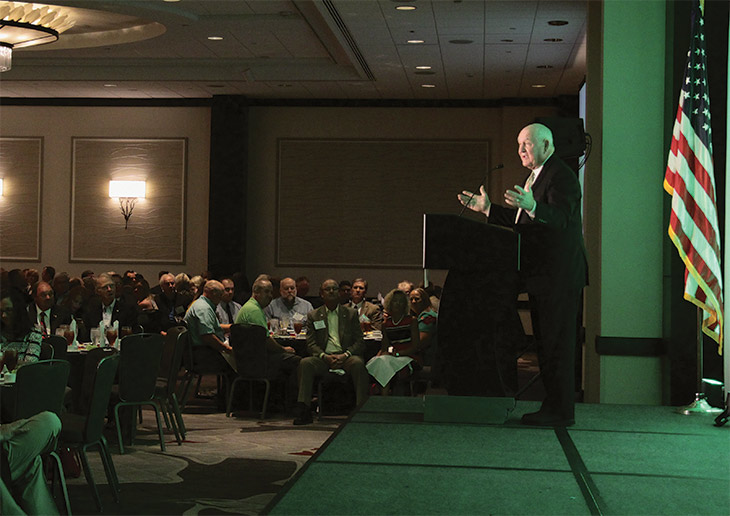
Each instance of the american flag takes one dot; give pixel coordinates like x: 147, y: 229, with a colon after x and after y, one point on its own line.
x: 690, y: 180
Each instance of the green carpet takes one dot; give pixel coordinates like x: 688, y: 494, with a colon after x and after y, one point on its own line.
x: 615, y: 460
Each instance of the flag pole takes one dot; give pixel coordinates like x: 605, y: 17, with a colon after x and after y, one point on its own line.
x: 699, y: 405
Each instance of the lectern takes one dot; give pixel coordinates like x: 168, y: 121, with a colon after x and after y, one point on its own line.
x: 479, y: 329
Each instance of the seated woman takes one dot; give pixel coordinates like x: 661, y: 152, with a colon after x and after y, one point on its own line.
x: 17, y: 336
x: 400, y: 349
x: 427, y: 323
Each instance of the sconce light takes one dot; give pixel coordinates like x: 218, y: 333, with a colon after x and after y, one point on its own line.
x: 127, y: 192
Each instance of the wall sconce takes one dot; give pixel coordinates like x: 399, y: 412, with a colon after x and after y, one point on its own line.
x: 127, y: 192
x: 1, y: 186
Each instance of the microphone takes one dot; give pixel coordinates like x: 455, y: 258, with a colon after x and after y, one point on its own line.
x: 486, y: 180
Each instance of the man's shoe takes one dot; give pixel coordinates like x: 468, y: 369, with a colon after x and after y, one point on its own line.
x: 303, y: 414
x: 545, y: 419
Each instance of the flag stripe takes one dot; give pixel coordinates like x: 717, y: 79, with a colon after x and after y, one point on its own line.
x: 690, y: 180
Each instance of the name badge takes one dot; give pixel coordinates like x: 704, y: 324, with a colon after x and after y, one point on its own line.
x: 319, y: 325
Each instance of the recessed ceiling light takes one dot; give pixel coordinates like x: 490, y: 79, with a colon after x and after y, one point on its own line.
x: 170, y: 1
x: 553, y: 40
x: 557, y: 23
x: 538, y: 85
x: 428, y: 85
x: 461, y: 41
x: 110, y: 85
x: 215, y: 38
x: 405, y: 8
x: 415, y: 41
x: 423, y: 67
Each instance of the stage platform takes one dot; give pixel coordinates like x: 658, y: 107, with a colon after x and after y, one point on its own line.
x: 617, y: 459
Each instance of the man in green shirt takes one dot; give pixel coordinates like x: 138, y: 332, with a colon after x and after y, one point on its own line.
x: 281, y: 358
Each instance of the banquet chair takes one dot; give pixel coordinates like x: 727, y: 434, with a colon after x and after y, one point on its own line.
x: 249, y: 349
x: 81, y: 432
x: 192, y: 372
x: 140, y: 356
x: 46, y: 351
x: 166, y: 387
x: 59, y: 344
x: 40, y: 386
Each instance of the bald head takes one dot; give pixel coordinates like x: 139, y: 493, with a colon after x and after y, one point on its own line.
x: 213, y: 290
x: 535, y: 145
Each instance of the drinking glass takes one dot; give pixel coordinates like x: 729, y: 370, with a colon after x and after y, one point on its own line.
x: 95, y: 334
x: 111, y: 336
x: 298, y: 327
x: 11, y: 359
x: 68, y: 334
x: 124, y: 331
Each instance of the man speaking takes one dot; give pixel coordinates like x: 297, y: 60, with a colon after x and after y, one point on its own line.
x: 546, y: 211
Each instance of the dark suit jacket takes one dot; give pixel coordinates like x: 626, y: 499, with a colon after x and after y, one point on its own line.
x: 123, y: 312
x: 349, y: 329
x: 553, y: 252
x: 59, y: 316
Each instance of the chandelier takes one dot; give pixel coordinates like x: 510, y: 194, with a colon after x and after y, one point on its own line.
x: 28, y: 24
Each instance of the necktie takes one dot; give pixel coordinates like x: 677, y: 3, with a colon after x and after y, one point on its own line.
x: 44, y: 328
x: 228, y: 313
x: 528, y: 186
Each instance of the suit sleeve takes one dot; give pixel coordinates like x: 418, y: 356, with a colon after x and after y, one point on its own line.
x: 312, y: 346
x: 560, y: 201
x: 358, y: 344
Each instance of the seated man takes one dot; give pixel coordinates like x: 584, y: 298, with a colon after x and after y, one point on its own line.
x: 288, y: 307
x: 171, y: 305
x: 368, y: 312
x: 334, y: 339
x: 227, y: 309
x: 252, y: 313
x: 44, y: 313
x: 206, y: 335
x: 23, y: 489
x: 105, y: 307
x: 279, y: 358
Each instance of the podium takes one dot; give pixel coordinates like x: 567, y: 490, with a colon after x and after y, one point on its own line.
x: 479, y: 329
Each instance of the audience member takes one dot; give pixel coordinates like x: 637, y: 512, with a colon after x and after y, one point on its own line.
x: 18, y: 338
x: 206, y: 335
x: 31, y: 278
x: 156, y: 290
x: 400, y: 339
x: 281, y: 358
x: 344, y: 291
x: 334, y: 341
x: 288, y: 306
x: 184, y: 287
x: 75, y: 301
x: 44, y: 313
x: 243, y: 288
x: 227, y: 309
x: 427, y: 324
x: 302, y: 283
x: 88, y: 273
x: 106, y: 308
x: 405, y: 286
x: 23, y: 488
x: 48, y: 273
x: 370, y: 314
x: 61, y: 286
x: 17, y: 282
x: 148, y: 313
x: 196, y: 286
x: 172, y: 305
